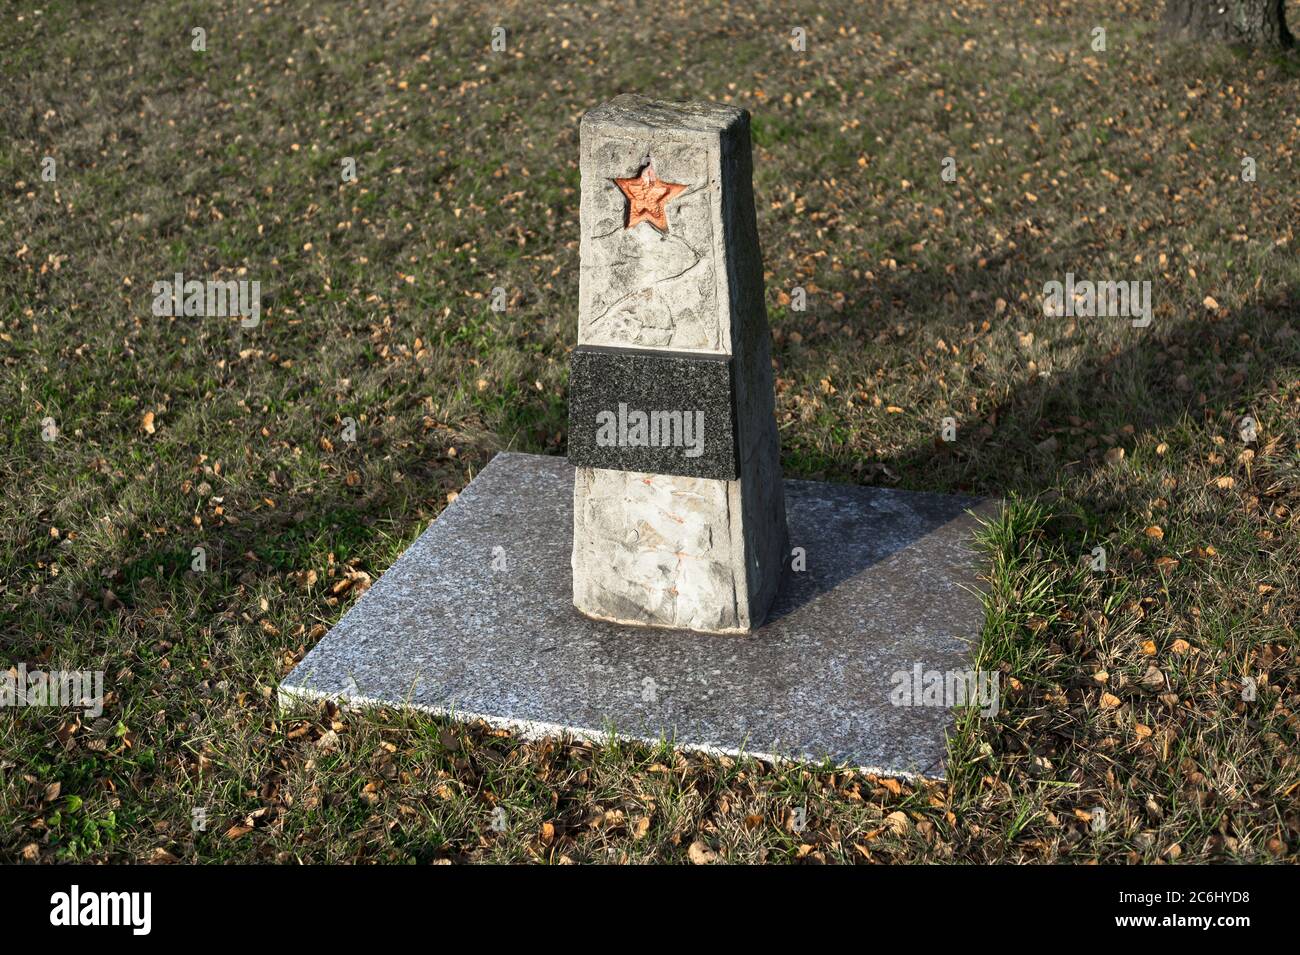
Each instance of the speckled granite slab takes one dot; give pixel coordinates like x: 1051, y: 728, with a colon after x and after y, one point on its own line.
x: 476, y: 619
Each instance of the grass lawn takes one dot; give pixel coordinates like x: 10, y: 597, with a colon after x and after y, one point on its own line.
x: 1125, y: 690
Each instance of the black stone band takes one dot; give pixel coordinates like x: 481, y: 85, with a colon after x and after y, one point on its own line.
x: 658, y: 412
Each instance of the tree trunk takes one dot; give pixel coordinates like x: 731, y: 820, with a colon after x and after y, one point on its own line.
x: 1252, y: 22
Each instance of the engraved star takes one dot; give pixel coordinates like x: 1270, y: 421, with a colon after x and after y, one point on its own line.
x: 647, y: 198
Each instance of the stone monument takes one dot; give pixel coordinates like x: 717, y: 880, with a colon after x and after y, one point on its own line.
x: 559, y: 596
x: 678, y: 510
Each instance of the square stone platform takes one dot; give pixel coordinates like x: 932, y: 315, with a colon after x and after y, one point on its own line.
x: 476, y: 620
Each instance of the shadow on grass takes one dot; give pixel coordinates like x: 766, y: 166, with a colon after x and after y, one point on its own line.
x: 1051, y: 426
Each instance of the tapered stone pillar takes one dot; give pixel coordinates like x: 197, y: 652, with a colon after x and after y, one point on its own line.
x: 679, y: 513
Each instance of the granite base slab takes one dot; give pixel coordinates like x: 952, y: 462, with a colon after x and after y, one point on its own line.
x: 476, y: 620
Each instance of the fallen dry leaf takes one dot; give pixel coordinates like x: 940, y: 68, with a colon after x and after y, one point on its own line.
x: 898, y: 823
x: 700, y: 854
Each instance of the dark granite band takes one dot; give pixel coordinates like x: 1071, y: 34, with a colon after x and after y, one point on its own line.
x: 658, y: 412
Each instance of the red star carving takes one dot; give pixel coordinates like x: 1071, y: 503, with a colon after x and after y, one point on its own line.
x: 647, y: 198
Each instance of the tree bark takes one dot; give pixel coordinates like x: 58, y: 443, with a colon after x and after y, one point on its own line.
x: 1250, y: 22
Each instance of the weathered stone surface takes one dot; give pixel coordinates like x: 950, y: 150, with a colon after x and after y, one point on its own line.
x: 658, y: 550
x: 696, y: 285
x: 476, y: 619
x: 647, y: 410
x: 639, y: 286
